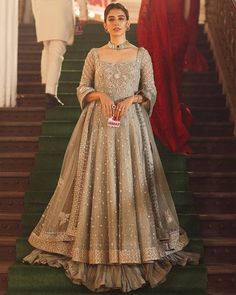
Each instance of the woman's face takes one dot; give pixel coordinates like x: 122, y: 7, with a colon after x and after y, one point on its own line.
x: 116, y: 23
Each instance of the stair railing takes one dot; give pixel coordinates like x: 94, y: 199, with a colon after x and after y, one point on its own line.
x: 221, y: 29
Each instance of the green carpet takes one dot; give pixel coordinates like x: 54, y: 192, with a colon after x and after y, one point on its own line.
x: 56, y: 131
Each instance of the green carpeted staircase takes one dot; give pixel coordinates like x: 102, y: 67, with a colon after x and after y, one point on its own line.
x: 56, y: 130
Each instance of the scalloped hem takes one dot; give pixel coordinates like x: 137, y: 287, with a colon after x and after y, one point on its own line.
x: 125, y: 277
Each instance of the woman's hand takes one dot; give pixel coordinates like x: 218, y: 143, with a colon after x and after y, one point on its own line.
x: 107, y: 105
x: 123, y: 106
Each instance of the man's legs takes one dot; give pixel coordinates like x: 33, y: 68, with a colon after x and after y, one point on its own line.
x: 56, y: 51
x: 44, y: 62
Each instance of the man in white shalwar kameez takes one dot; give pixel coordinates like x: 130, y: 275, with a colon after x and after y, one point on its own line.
x: 55, y: 23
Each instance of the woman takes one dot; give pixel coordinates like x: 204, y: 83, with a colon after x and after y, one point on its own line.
x: 112, y: 218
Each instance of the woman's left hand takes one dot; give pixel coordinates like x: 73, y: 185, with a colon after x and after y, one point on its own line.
x: 122, y: 107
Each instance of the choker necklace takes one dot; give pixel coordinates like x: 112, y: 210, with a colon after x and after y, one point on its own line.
x: 119, y: 46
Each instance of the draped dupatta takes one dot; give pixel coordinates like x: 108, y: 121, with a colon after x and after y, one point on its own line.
x: 164, y: 33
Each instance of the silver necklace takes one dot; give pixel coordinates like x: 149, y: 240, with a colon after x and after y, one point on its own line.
x: 119, y: 46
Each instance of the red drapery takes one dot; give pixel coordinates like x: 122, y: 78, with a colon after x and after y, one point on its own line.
x: 164, y: 32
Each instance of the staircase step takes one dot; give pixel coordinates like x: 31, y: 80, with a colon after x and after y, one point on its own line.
x: 7, y: 248
x: 11, y: 202
x: 20, y: 128
x: 193, y: 77
x: 203, y: 88
x: 212, y: 129
x: 204, y: 100
x: 218, y: 225
x: 53, y: 128
x: 38, y: 100
x: 30, y: 87
x: 14, y: 181
x: 211, y: 162
x: 17, y: 114
x: 221, y: 279
x: 34, y: 65
x: 215, y: 202
x: 4, y: 266
x: 18, y: 144
x: 10, y: 224
x: 212, y: 145
x: 219, y: 250
x: 207, y: 114
x: 35, y: 76
x: 212, y: 181
x: 16, y: 162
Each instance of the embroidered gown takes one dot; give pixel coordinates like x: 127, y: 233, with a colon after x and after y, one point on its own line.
x: 111, y: 222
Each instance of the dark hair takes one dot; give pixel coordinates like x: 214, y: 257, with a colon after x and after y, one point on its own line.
x: 115, y: 6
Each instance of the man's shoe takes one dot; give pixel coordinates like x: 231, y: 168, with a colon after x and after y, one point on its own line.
x: 53, y: 101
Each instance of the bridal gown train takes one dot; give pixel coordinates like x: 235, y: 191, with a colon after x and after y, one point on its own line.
x: 111, y: 222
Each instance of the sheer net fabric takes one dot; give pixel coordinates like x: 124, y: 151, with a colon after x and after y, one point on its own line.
x: 111, y: 222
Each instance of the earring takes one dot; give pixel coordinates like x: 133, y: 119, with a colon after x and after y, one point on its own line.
x: 105, y: 30
x: 128, y: 28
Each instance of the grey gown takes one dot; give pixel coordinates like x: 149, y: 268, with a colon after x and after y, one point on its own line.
x: 111, y: 222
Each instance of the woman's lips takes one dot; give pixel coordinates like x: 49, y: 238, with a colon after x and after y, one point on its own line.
x: 116, y: 29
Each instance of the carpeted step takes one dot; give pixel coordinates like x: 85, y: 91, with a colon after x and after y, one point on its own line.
x: 32, y: 278
x: 219, y: 250
x: 208, y: 113
x: 221, y: 279
x: 10, y: 224
x: 58, y: 128
x: 16, y: 162
x: 11, y: 202
x: 67, y: 113
x: 21, y: 129
x: 212, y: 181
x: 211, y: 162
x: 14, y: 181
x: 213, y: 145
x: 218, y: 225
x: 22, y: 114
x: 212, y: 129
x: 215, y: 202
x: 18, y: 144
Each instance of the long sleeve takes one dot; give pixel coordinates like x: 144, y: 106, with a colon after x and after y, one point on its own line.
x: 87, y: 79
x: 147, y: 80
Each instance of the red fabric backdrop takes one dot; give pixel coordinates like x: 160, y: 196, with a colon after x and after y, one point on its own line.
x: 164, y: 32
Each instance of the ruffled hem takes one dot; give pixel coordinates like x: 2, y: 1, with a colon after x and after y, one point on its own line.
x: 102, y: 278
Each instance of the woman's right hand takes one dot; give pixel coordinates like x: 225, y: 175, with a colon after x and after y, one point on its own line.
x: 107, y: 105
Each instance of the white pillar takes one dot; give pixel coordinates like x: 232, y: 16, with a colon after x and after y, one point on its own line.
x: 8, y: 52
